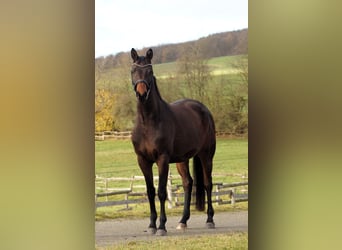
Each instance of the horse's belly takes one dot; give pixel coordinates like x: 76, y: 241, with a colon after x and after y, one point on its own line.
x: 183, y: 157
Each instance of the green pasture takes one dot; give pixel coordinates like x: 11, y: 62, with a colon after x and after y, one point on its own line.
x: 116, y: 158
x: 220, y: 241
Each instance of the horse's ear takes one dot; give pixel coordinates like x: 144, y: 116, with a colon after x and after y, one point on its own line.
x: 149, y: 54
x: 134, y: 54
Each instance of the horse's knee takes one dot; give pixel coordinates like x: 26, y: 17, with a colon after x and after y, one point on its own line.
x: 187, y: 183
x: 151, y: 192
x: 162, y: 195
x: 190, y: 182
x: 208, y: 187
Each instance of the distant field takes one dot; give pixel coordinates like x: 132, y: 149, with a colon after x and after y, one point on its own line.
x: 223, y: 65
x: 220, y: 66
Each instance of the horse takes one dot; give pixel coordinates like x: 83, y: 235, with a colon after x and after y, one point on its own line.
x: 171, y: 133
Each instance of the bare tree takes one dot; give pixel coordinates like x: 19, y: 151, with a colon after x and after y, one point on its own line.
x: 124, y: 107
x: 195, y: 72
x: 238, y: 98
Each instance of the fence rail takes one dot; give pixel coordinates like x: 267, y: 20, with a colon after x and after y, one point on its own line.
x: 220, y: 193
x: 101, y: 136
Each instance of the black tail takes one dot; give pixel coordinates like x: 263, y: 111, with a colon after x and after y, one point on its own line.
x: 199, y: 183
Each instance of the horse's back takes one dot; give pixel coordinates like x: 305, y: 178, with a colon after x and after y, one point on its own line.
x: 192, y: 111
x: 194, y: 124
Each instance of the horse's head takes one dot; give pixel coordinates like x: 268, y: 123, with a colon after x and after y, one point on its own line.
x: 142, y: 74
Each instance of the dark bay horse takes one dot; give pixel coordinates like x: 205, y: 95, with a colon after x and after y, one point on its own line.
x: 171, y: 133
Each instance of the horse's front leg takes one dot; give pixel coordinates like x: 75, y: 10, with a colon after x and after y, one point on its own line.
x: 146, y: 168
x: 163, y: 169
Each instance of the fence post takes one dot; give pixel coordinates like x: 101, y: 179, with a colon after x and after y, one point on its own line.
x: 126, y: 197
x: 131, y: 187
x: 233, y: 196
x: 217, y: 196
x: 106, y: 187
x: 169, y: 190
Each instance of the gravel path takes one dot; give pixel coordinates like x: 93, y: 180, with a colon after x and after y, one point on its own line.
x: 112, y: 232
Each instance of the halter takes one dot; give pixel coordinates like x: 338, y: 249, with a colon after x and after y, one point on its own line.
x: 141, y: 66
x: 142, y: 80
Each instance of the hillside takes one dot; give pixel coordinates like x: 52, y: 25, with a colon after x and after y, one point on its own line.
x: 215, y: 45
x: 217, y: 75
x: 222, y: 65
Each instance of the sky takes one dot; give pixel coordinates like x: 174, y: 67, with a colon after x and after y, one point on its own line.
x: 124, y: 24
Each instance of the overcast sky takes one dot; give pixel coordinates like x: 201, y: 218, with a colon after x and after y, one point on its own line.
x: 124, y: 24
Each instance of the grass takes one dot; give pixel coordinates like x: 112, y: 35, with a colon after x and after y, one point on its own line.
x: 116, y: 158
x: 219, y: 241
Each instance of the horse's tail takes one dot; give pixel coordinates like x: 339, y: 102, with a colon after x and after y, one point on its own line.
x: 199, y: 183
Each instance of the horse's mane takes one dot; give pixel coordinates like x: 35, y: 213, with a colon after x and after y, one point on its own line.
x: 156, y: 86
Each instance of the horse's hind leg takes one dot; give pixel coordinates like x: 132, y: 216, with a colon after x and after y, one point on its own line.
x: 183, y: 170
x: 207, y: 165
x: 146, y: 168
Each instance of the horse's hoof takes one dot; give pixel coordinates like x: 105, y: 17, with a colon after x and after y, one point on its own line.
x: 161, y: 232
x: 152, y: 230
x: 181, y: 226
x: 210, y: 225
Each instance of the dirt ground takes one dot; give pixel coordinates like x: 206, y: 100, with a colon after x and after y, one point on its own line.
x: 112, y: 232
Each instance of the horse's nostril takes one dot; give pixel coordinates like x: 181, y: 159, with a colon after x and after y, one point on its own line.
x: 141, y: 88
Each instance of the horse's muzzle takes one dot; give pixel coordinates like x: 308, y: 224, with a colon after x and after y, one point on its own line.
x: 142, y: 89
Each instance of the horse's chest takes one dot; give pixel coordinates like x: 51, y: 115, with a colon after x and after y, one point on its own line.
x: 146, y: 147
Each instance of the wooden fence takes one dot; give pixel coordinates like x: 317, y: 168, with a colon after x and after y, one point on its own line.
x: 136, y: 194
x: 101, y: 136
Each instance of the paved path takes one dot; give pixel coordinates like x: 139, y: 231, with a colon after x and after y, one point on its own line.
x: 112, y: 232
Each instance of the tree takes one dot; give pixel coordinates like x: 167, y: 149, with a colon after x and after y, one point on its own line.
x: 195, y: 72
x: 238, y: 98
x: 104, y: 101
x: 124, y: 107
x: 99, y: 68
